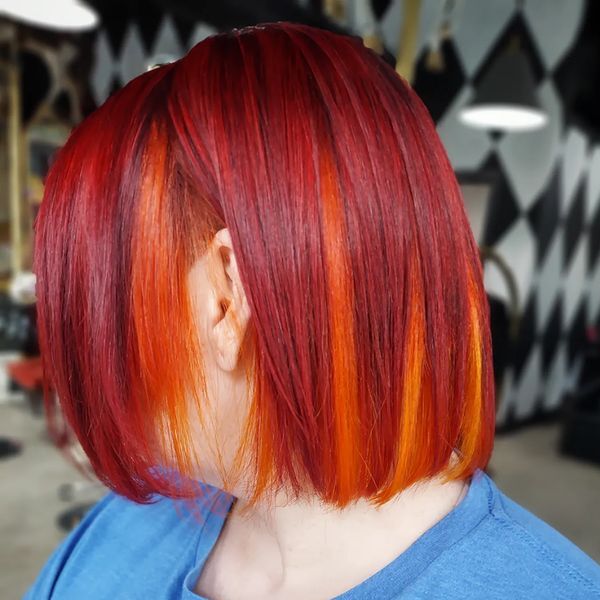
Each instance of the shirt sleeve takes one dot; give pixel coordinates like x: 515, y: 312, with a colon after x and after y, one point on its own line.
x: 43, y: 586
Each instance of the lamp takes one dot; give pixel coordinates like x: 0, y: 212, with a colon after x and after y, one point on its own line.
x: 62, y: 15
x: 506, y: 98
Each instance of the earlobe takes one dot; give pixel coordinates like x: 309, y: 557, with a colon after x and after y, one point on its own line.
x: 233, y: 311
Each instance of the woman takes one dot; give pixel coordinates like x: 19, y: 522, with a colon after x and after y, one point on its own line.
x: 255, y: 272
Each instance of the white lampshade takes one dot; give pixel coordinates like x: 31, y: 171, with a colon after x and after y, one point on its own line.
x: 506, y: 98
x: 61, y: 15
x: 504, y: 117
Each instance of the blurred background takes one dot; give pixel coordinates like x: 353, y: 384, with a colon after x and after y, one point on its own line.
x: 513, y: 89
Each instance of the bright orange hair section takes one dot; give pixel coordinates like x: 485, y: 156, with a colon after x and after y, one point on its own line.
x: 369, y: 324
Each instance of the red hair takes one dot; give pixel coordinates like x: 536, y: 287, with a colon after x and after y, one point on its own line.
x: 369, y: 322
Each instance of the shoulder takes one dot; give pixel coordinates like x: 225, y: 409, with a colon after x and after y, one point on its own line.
x: 121, y: 543
x: 513, y: 547
x: 542, y: 543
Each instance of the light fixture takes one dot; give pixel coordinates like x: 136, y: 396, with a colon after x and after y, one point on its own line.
x: 61, y: 15
x: 506, y: 98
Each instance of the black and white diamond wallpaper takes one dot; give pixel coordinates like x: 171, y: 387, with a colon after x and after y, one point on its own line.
x: 544, y: 210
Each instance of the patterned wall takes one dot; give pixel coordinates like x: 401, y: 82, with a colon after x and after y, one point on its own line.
x: 544, y: 215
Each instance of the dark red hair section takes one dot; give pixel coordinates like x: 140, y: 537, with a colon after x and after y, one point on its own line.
x: 372, y: 366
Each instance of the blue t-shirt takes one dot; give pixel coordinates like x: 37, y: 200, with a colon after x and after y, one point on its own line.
x: 488, y: 547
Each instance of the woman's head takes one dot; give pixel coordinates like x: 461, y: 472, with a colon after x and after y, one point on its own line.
x: 254, y: 263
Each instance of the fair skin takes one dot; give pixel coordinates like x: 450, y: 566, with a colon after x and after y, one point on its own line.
x: 286, y: 549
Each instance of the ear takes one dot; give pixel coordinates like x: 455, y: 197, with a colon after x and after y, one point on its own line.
x: 230, y: 312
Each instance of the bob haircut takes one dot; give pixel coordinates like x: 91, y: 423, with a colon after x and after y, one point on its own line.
x: 369, y: 324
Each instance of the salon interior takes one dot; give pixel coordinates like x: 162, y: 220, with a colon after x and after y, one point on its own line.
x: 513, y: 89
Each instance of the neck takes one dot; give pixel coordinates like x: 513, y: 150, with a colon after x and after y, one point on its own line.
x: 279, y: 548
